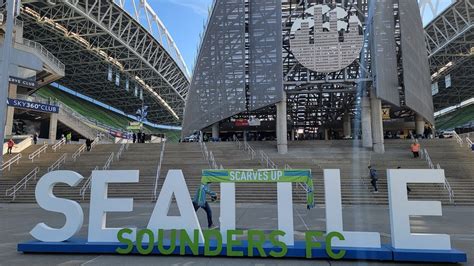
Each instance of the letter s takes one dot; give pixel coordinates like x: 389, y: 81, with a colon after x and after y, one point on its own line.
x: 71, y: 209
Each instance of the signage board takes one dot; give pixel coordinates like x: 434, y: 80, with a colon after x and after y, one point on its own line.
x: 40, y: 107
x: 187, y: 238
x: 241, y: 123
x: 447, y: 81
x: 386, y: 113
x: 26, y: 83
x: 434, y: 88
x: 254, y: 122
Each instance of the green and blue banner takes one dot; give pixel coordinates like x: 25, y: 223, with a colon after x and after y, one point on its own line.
x: 257, y: 176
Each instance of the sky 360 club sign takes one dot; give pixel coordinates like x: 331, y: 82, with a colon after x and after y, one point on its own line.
x: 182, y: 235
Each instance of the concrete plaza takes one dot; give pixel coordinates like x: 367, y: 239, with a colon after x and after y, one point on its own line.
x: 18, y: 219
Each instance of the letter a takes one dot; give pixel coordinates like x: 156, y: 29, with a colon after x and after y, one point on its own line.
x: 175, y: 184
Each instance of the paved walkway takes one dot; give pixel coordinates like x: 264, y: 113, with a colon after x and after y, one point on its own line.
x: 18, y: 219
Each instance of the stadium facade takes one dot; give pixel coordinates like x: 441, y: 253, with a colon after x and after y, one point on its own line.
x: 317, y: 69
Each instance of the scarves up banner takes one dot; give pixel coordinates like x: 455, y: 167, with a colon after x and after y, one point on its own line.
x: 256, y: 176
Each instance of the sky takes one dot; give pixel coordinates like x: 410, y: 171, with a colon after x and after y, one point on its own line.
x: 184, y: 19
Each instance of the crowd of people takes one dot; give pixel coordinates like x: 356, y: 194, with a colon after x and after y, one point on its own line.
x: 139, y: 137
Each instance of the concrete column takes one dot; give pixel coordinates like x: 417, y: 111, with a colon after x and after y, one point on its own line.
x: 326, y: 134
x: 346, y: 124
x: 281, y: 126
x: 215, y: 131
x: 293, y: 133
x: 366, y: 123
x: 12, y: 92
x: 419, y: 125
x: 53, y: 127
x: 377, y: 124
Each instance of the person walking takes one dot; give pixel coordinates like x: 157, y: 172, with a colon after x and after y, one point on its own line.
x: 68, y: 137
x: 35, y: 138
x: 10, y: 146
x: 88, y: 144
x: 415, y: 149
x: 200, y: 201
x: 134, y: 137
x: 373, y: 178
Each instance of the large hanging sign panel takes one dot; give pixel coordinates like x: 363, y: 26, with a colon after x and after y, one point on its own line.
x: 40, y: 107
x: 182, y: 235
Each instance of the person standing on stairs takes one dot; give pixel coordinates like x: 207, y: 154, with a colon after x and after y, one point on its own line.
x: 373, y: 178
x: 200, y: 201
x: 134, y: 137
x: 88, y: 144
x: 415, y: 149
x: 35, y: 138
x: 10, y: 145
x: 68, y: 138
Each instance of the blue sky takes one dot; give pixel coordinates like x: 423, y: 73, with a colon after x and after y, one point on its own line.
x: 184, y: 19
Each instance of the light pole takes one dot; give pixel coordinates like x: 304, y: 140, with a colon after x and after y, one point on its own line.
x: 5, y: 68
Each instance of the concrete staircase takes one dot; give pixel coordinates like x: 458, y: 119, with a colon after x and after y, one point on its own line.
x: 318, y: 155
x: 315, y: 155
x: 25, y: 166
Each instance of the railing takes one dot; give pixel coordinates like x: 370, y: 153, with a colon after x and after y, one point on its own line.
x: 14, y: 159
x: 266, y: 161
x: 87, y: 184
x: 123, y: 148
x: 40, y: 48
x: 11, y: 192
x: 158, y: 170
x: 246, y: 147
x: 58, y: 163
x: 458, y: 138
x: 95, y: 142
x: 446, y: 184
x: 209, y: 156
x: 109, y: 162
x: 78, y: 152
x: 38, y: 152
x: 469, y: 142
x: 58, y: 144
x: 447, y: 187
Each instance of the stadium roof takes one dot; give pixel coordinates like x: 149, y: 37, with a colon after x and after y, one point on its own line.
x: 109, y: 48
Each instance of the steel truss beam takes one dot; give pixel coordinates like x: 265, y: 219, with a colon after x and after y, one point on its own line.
x: 97, y: 27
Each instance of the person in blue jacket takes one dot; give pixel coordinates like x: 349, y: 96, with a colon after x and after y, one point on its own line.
x: 200, y: 201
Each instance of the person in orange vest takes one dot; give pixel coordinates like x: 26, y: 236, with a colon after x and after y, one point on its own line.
x: 10, y: 145
x: 415, y: 148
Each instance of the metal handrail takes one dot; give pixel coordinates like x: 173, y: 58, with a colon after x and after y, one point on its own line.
x: 11, y: 192
x: 38, y: 152
x: 158, y: 170
x: 14, y: 159
x: 208, y: 156
x: 119, y: 153
x: 446, y: 184
x: 109, y: 161
x: 458, y: 138
x: 265, y: 160
x: 95, y: 142
x: 58, y: 163
x: 87, y: 184
x: 79, y: 151
x: 58, y: 144
x: 40, y: 48
x: 469, y: 142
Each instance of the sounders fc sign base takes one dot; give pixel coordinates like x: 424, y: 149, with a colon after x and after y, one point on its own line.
x: 187, y: 238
